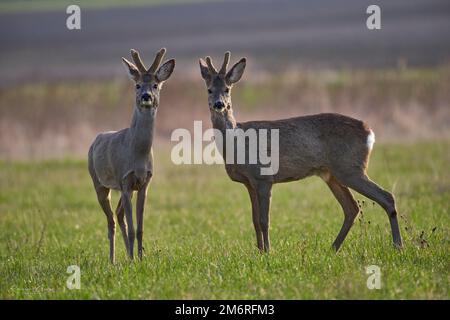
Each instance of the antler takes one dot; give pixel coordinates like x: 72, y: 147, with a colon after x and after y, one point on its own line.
x: 226, y: 60
x: 138, y: 61
x: 157, y: 61
x: 211, y: 68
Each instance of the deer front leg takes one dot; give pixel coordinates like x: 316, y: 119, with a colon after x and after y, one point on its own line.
x: 255, y: 216
x: 264, y: 194
x: 120, y: 212
x: 140, y: 205
x: 127, y: 206
x: 103, y: 195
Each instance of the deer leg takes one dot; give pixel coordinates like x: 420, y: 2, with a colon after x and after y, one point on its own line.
x: 103, y: 196
x: 264, y: 195
x: 363, y: 185
x: 349, y: 206
x: 120, y: 212
x: 140, y: 204
x: 126, y: 203
x: 255, y: 216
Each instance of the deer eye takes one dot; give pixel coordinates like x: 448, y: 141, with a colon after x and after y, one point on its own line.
x: 209, y: 91
x: 138, y: 86
x: 155, y: 86
x: 227, y: 90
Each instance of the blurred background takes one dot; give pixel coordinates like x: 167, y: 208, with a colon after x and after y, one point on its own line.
x: 60, y: 87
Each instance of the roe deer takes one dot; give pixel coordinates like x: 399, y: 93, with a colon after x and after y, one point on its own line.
x: 122, y: 160
x: 332, y: 146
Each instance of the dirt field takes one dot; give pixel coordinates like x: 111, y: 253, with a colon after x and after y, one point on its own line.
x: 274, y: 34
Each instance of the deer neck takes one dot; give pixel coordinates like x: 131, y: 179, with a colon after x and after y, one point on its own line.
x: 141, y: 129
x: 223, y: 123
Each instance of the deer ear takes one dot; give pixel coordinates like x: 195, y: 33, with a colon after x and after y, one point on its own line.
x: 236, y: 72
x: 165, y: 70
x: 132, y: 70
x: 204, y: 70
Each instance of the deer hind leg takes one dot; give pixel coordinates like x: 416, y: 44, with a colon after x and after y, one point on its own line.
x: 255, y: 217
x: 264, y: 192
x: 362, y: 184
x: 120, y: 212
x: 103, y: 195
x: 348, y: 204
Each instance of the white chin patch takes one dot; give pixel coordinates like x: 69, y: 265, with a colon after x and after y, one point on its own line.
x: 370, y: 140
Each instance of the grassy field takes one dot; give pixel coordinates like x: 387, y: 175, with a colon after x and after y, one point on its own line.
x: 199, y: 239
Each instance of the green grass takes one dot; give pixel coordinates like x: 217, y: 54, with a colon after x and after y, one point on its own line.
x: 61, y: 5
x: 199, y: 239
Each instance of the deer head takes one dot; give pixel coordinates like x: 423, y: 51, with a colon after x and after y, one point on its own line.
x: 148, y: 81
x: 219, y: 84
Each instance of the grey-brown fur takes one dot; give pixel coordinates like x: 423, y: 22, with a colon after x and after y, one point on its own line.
x: 122, y: 160
x: 332, y: 146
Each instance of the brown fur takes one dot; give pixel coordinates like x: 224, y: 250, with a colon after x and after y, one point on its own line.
x: 329, y: 145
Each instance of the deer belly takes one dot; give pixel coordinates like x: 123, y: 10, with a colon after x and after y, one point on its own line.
x: 293, y: 174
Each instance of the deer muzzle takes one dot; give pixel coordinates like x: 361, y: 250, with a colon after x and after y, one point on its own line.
x: 219, y: 106
x: 146, y: 100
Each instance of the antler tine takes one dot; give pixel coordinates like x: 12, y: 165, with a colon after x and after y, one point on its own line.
x: 138, y: 61
x: 157, y: 61
x: 226, y: 60
x: 211, y: 68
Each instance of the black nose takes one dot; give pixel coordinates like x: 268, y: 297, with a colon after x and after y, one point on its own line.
x: 146, y: 97
x: 219, y: 105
